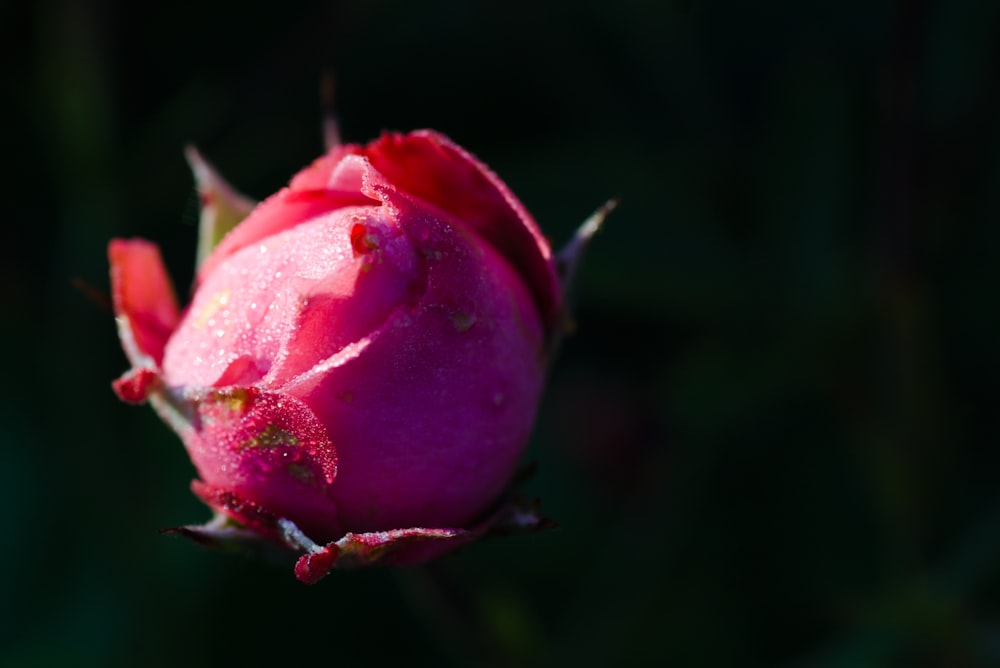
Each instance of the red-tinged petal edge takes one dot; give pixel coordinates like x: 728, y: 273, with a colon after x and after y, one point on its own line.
x: 241, y: 524
x: 135, y: 385
x: 430, y: 166
x: 143, y: 299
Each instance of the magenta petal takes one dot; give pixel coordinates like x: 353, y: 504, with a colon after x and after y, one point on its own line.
x: 143, y: 299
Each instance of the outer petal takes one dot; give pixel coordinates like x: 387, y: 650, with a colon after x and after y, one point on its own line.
x: 432, y: 167
x: 143, y: 299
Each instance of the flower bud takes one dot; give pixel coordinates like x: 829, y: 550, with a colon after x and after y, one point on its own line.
x: 359, y: 367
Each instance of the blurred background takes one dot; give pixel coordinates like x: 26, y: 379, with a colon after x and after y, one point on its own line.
x: 770, y: 441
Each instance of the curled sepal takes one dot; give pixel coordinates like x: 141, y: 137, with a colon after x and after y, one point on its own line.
x: 381, y: 548
x: 400, y: 547
x: 137, y: 384
x: 222, y: 206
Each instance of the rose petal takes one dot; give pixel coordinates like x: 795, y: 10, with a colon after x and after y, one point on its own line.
x: 281, y: 211
x: 317, y: 175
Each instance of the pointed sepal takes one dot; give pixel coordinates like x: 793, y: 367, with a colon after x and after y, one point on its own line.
x: 222, y: 206
x: 568, y: 258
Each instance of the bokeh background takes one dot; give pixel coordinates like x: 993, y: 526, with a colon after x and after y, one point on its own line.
x: 770, y: 441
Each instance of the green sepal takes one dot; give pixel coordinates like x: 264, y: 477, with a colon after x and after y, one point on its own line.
x: 222, y: 206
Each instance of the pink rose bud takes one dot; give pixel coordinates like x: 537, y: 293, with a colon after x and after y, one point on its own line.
x: 360, y: 365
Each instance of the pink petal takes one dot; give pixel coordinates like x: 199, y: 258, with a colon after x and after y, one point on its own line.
x: 280, y: 212
x: 317, y: 175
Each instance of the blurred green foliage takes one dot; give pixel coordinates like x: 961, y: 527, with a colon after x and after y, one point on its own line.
x: 770, y: 441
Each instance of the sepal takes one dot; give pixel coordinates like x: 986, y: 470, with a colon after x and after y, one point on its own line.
x: 222, y: 206
x: 402, y: 547
x: 244, y: 525
x: 569, y: 256
x: 136, y: 385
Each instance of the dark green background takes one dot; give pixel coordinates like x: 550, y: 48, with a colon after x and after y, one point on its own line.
x: 770, y: 442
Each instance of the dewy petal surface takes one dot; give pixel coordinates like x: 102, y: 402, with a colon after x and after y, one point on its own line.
x: 282, y: 211
x: 267, y: 448
x: 294, y: 298
x: 428, y: 165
